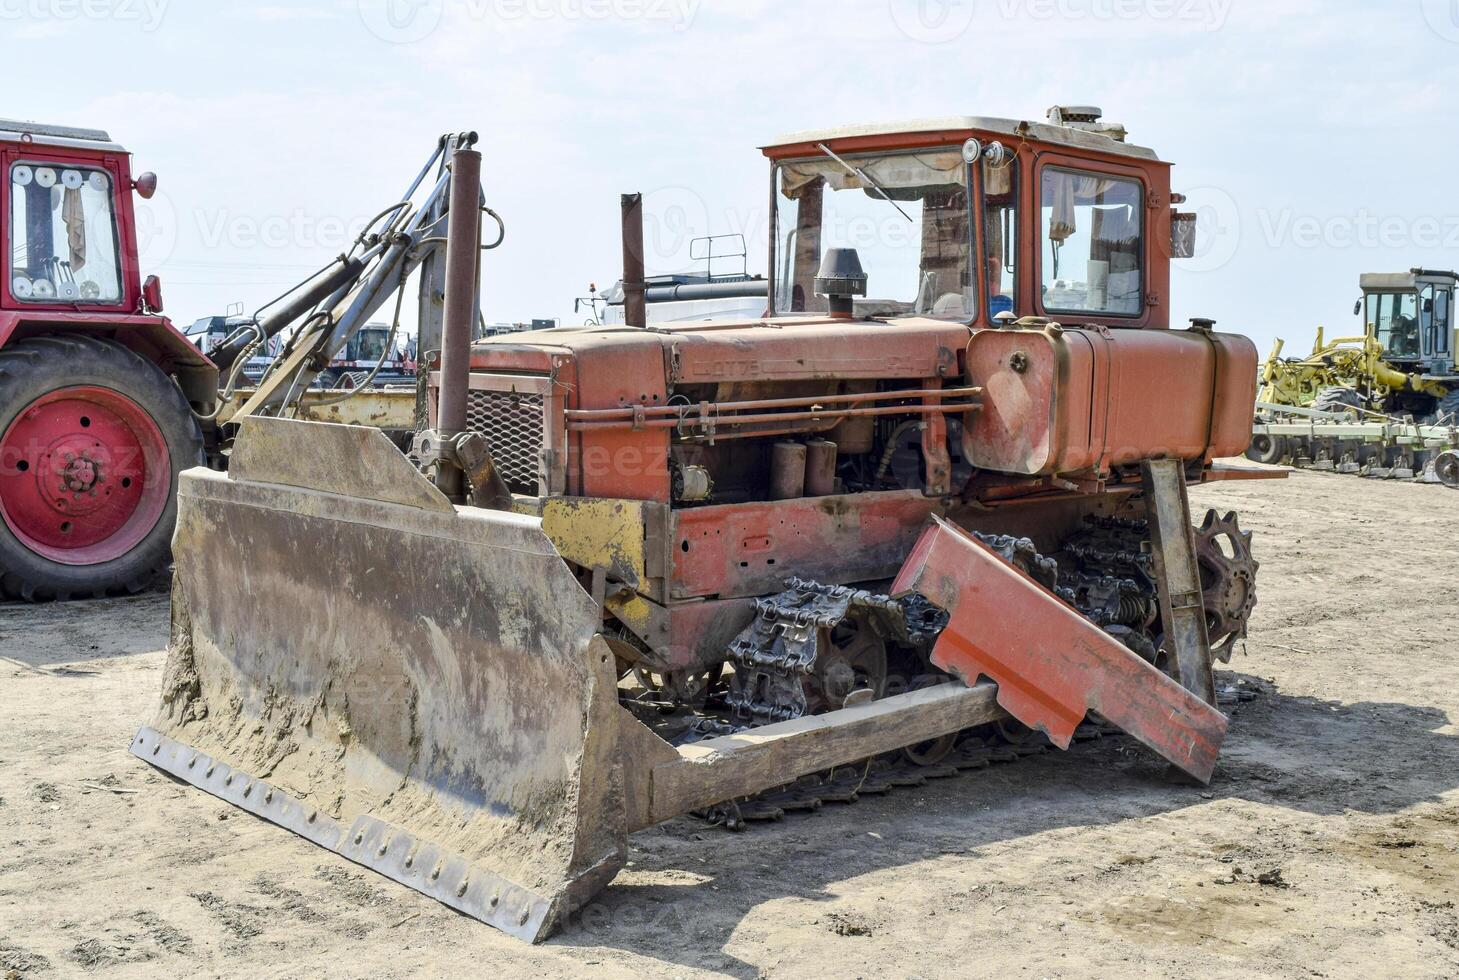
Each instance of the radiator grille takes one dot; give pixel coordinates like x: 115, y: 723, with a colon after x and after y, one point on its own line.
x: 512, y: 425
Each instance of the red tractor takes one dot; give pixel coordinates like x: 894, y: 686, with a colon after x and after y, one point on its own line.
x: 97, y: 387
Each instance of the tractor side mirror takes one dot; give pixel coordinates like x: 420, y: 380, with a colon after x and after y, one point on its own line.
x: 145, y: 186
x: 152, y: 294
x: 1428, y: 306
x: 1357, y: 307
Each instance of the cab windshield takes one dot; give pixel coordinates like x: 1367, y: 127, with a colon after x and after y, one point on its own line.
x: 369, y: 344
x: 908, y: 217
x: 63, y: 241
x: 1394, y: 317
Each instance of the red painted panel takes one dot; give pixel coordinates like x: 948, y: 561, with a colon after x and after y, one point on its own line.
x: 751, y: 549
x: 1051, y: 664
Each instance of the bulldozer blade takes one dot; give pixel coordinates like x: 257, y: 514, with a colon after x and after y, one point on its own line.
x: 418, y: 687
x: 1050, y: 663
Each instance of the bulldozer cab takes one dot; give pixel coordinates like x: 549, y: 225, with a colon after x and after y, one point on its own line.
x: 1411, y: 316
x: 981, y: 223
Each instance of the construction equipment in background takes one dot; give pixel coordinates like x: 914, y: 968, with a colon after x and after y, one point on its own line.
x: 713, y: 294
x: 103, y: 402
x: 1384, y: 404
x: 735, y: 568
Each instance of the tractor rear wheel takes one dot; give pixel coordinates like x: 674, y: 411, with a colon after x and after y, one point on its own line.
x: 1446, y: 412
x: 1339, y: 401
x: 92, y: 438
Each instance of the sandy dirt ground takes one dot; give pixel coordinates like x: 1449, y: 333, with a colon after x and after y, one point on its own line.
x: 1327, y: 846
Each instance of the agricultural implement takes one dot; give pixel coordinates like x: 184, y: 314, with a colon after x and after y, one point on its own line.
x: 737, y: 567
x: 1384, y: 404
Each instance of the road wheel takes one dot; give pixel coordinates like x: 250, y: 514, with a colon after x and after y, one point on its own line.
x: 92, y: 438
x: 1266, y: 449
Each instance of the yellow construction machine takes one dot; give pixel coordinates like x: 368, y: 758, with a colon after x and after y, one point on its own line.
x: 1383, y: 404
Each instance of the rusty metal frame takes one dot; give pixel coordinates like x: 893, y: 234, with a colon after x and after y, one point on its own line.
x: 1182, y: 603
x: 382, y: 408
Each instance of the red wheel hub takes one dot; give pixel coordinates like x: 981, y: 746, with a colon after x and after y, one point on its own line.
x: 84, y: 475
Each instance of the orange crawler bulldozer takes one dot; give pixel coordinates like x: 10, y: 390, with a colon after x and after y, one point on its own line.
x: 735, y: 568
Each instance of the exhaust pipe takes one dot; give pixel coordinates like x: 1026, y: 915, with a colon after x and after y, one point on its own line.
x: 635, y: 305
x: 463, y: 271
x: 463, y: 265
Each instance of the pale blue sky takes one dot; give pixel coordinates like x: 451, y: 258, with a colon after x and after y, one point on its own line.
x: 1315, y: 136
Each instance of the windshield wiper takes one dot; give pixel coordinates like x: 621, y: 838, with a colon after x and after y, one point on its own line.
x: 866, y: 179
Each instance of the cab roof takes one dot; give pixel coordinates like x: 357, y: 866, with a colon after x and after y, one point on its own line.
x: 956, y: 128
x: 44, y: 134
x: 1404, y: 280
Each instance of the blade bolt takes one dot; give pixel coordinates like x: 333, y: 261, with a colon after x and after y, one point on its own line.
x: 461, y: 888
x: 359, y: 838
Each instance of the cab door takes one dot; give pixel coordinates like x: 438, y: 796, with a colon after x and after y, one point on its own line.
x: 1436, y: 304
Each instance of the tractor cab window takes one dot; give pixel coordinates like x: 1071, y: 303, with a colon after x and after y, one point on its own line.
x: 1394, y: 318
x: 63, y: 240
x: 907, y: 215
x: 1092, y: 247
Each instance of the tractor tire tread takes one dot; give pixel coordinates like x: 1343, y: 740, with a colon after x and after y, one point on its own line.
x: 31, y: 578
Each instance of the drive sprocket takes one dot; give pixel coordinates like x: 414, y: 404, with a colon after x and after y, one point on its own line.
x: 1228, y: 580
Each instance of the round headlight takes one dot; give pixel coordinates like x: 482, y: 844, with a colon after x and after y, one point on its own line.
x: 997, y: 155
x: 972, y: 149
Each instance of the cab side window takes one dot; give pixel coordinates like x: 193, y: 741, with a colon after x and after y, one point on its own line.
x: 1093, y: 243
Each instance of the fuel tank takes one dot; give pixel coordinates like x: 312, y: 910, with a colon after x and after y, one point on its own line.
x: 1073, y: 401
